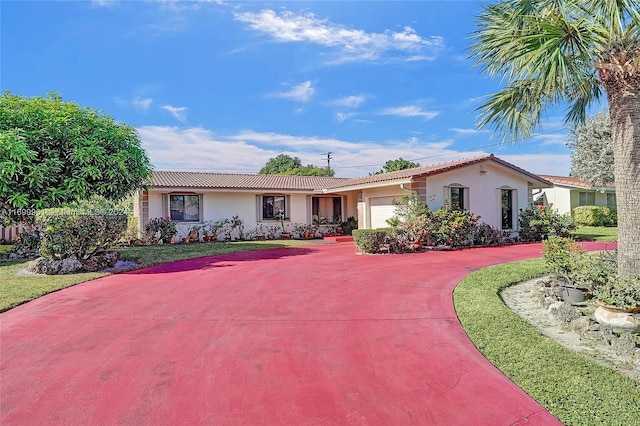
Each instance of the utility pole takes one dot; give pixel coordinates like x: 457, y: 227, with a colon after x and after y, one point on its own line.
x: 328, y: 154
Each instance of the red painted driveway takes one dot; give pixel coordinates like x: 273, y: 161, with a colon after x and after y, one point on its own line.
x: 300, y: 336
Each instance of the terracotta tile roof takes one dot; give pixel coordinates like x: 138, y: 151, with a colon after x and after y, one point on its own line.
x: 575, y: 182
x: 168, y: 179
x: 432, y: 169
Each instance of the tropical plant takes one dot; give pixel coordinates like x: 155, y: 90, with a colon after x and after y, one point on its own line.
x: 569, y: 52
x: 54, y: 152
x: 539, y: 222
x: 160, y: 229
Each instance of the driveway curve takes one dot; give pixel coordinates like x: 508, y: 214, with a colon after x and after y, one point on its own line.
x: 313, y: 335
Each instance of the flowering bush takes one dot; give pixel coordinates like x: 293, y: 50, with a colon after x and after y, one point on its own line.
x: 539, y: 222
x: 80, y: 232
x: 484, y: 235
x: 160, y: 229
x: 452, y: 227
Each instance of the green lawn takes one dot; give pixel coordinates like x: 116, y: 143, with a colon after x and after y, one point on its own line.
x: 596, y: 233
x: 570, y: 386
x: 17, y: 287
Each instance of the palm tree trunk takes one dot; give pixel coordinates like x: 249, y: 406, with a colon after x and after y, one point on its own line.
x: 624, y: 107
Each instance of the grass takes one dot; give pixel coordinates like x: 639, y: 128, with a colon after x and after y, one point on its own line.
x: 18, y: 287
x: 573, y: 388
x: 596, y: 233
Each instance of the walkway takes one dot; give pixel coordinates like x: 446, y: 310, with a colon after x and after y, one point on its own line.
x: 300, y: 336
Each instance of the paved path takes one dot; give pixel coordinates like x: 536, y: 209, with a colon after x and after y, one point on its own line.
x: 300, y: 336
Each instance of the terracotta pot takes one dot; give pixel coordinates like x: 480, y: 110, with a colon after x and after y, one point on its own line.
x: 185, y: 240
x: 206, y: 238
x: 620, y: 319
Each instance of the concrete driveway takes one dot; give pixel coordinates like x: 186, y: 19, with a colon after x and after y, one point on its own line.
x: 299, y: 336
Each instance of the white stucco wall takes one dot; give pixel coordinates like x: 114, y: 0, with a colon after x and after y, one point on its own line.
x: 483, y: 190
x: 223, y: 205
x: 564, y: 199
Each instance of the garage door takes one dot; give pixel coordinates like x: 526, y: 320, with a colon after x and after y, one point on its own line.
x: 381, y: 209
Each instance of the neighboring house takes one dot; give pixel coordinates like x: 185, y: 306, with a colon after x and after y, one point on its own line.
x: 568, y: 193
x: 486, y: 185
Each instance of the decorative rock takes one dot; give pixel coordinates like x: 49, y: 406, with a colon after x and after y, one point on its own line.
x: 564, y: 311
x: 70, y: 265
x: 101, y: 261
x: 44, y: 266
x: 581, y: 325
x: 624, y: 345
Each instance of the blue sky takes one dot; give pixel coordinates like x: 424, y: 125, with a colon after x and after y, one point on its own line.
x: 224, y: 86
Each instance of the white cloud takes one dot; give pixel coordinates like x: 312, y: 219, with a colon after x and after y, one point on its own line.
x: 173, y: 148
x: 142, y: 103
x: 342, y: 116
x: 350, y: 45
x: 543, y: 163
x: 300, y: 93
x: 410, y: 111
x: 103, y: 3
x: 353, y: 101
x: 179, y: 113
x: 469, y: 131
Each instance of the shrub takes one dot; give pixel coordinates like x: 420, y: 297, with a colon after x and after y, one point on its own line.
x: 595, y: 216
x: 452, y: 227
x: 160, y: 229
x: 80, y: 232
x: 349, y: 225
x: 484, y: 235
x: 622, y: 293
x: 370, y: 240
x: 538, y: 223
x: 566, y: 259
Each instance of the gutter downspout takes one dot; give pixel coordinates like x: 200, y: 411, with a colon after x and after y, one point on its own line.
x: 410, y: 191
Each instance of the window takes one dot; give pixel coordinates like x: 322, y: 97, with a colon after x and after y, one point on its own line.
x: 587, y: 198
x: 611, y: 199
x: 507, y: 208
x: 184, y: 208
x: 326, y: 209
x: 272, y: 205
x: 458, y: 198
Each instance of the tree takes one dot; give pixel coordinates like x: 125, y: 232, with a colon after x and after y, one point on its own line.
x: 284, y: 164
x: 395, y: 165
x: 280, y: 164
x: 592, y: 155
x: 54, y: 152
x: 569, y: 52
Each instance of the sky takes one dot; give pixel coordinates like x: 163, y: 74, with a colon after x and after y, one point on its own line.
x: 224, y: 86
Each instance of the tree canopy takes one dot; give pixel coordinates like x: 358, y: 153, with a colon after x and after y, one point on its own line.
x: 592, y: 150
x: 569, y: 52
x: 284, y: 164
x: 54, y: 152
x: 398, y: 164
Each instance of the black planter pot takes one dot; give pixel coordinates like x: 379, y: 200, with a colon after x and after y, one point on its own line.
x: 573, y: 294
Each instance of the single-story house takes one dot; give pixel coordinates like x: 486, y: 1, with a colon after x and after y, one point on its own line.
x: 568, y: 193
x: 485, y: 185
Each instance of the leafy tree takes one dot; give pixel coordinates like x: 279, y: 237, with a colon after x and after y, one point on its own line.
x: 54, y: 152
x: 569, y: 52
x: 395, y: 165
x: 284, y: 164
x: 592, y: 155
x: 280, y: 164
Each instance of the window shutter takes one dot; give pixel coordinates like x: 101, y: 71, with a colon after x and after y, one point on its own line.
x: 258, y: 208
x: 287, y: 206
x: 165, y: 205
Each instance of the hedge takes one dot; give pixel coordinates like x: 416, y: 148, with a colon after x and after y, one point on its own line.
x: 370, y: 240
x: 595, y: 216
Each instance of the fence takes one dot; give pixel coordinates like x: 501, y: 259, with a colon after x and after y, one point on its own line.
x: 9, y: 234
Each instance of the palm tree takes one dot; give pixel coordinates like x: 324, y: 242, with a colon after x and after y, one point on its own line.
x: 569, y: 52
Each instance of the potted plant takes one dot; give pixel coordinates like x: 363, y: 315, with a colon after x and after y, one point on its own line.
x: 617, y: 300
x: 194, y: 233
x: 568, y: 261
